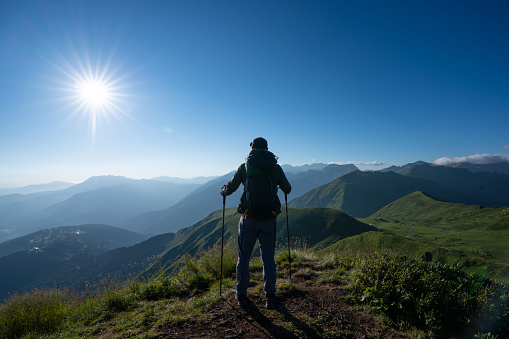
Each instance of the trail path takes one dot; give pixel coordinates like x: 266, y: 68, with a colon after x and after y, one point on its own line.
x: 304, y: 312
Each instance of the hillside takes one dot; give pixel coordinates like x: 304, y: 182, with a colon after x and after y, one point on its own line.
x: 125, y: 263
x: 70, y: 255
x: 206, y: 199
x: 468, y: 234
x: 46, y: 257
x: 361, y: 194
x: 417, y: 206
x: 416, y: 219
x: 343, y: 291
x: 312, y: 226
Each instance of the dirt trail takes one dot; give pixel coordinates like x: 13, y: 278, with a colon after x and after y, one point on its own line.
x: 304, y: 312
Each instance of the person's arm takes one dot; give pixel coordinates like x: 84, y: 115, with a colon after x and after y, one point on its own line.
x: 234, y: 183
x: 282, y: 181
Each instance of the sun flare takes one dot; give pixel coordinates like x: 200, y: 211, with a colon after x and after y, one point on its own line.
x: 94, y: 91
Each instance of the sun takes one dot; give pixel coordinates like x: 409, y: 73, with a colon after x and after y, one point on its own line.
x: 94, y: 93
x: 94, y: 90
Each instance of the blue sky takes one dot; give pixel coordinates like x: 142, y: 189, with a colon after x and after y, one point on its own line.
x: 186, y: 85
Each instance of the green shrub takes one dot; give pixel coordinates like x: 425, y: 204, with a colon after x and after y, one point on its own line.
x: 163, y: 287
x: 430, y: 296
x: 300, y: 253
x: 195, y: 279
x: 37, y: 312
x: 118, y: 301
x: 210, y: 261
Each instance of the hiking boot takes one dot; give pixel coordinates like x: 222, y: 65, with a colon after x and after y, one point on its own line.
x: 241, y: 300
x: 270, y: 302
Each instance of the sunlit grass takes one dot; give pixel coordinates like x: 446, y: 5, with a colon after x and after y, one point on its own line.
x: 410, y: 295
x: 40, y: 311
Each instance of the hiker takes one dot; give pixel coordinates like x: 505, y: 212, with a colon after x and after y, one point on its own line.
x: 259, y: 207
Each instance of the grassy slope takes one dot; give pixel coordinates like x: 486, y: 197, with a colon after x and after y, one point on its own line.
x: 470, y: 234
x: 321, y: 226
x: 361, y: 194
x: 170, y: 304
x: 416, y: 300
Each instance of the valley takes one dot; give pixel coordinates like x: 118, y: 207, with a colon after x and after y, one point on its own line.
x: 419, y: 213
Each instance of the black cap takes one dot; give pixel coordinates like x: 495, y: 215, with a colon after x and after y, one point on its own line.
x: 259, y: 143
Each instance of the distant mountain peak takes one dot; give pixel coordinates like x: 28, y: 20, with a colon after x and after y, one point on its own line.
x: 399, y: 169
x: 303, y: 168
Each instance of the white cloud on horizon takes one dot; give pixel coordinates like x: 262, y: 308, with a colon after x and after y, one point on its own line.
x: 474, y: 159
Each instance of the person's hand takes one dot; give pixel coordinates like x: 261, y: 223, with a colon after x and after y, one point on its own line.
x: 223, y: 191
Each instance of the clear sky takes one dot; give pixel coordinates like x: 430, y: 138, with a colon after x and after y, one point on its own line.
x: 180, y: 88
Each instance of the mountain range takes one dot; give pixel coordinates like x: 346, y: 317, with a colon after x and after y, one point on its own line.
x: 163, y: 205
x: 106, y: 199
x: 206, y: 199
x: 54, y: 186
x: 361, y: 194
x: 326, y: 205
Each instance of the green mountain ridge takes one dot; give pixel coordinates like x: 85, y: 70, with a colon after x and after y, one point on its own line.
x: 361, y: 194
x: 314, y: 226
x: 205, y: 200
x: 468, y: 234
x: 408, y: 208
x: 71, y: 261
x: 419, y: 206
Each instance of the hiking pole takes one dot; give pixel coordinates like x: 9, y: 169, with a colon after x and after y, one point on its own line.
x: 222, y: 237
x: 288, y: 233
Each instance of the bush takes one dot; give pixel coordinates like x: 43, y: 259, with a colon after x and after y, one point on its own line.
x: 210, y: 261
x: 163, y: 287
x: 194, y: 278
x: 116, y: 302
x: 37, y: 312
x: 430, y: 296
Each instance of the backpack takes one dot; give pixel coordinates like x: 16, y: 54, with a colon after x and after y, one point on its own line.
x: 260, y: 189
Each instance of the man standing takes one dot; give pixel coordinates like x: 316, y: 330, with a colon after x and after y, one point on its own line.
x: 259, y: 207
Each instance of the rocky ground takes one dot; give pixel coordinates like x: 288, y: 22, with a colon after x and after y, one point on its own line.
x: 306, y: 311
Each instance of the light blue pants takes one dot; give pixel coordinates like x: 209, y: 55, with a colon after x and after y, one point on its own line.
x: 249, y: 231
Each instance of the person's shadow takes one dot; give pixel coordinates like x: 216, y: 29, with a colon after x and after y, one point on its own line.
x: 266, y: 326
x: 260, y: 322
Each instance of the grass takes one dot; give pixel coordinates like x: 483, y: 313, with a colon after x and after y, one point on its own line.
x: 472, y: 235
x: 412, y: 296
x: 40, y: 311
x: 430, y: 296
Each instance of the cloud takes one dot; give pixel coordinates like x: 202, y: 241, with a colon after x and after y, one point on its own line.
x: 474, y: 159
x: 358, y: 163
x: 505, y: 147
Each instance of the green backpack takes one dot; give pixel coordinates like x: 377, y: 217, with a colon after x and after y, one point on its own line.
x: 260, y: 189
